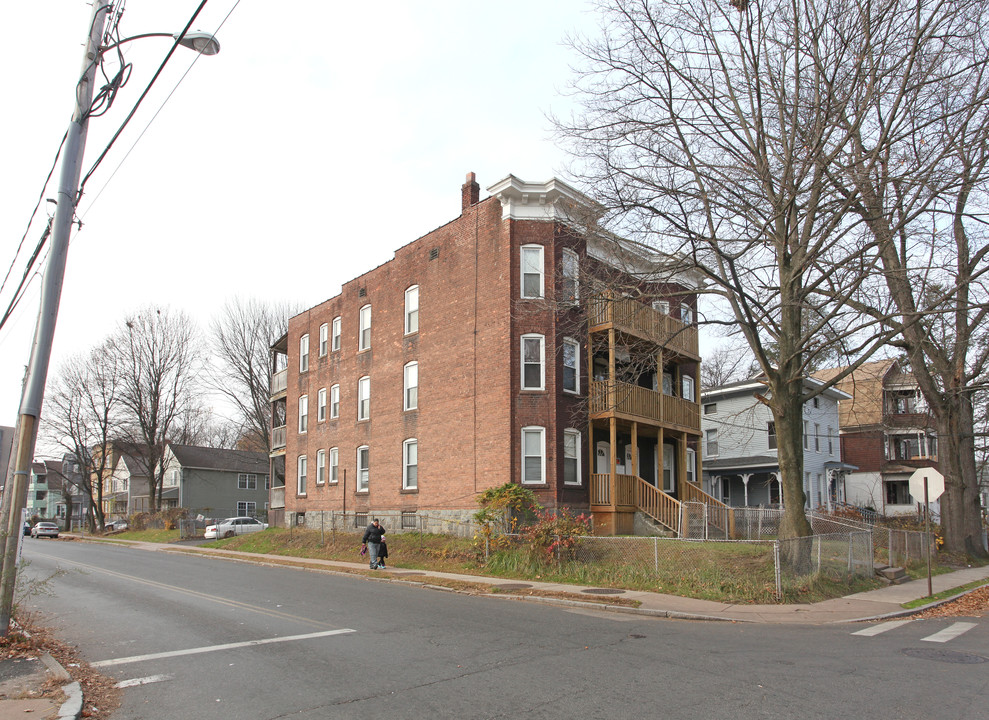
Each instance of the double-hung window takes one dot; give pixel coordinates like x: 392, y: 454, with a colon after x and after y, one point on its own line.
x: 334, y: 464
x: 533, y: 362
x: 335, y: 336
x: 321, y: 405
x: 686, y: 314
x: 334, y: 402
x: 411, y: 386
x: 320, y: 467
x: 301, y: 477
x: 532, y: 271
x: 363, y: 462
x: 571, y: 457
x: 571, y: 365
x: 687, y: 387
x: 364, y: 398
x: 410, y: 464
x: 304, y: 353
x: 364, y: 338
x: 247, y: 481
x: 571, y: 284
x: 412, y: 310
x: 533, y: 455
x: 771, y: 430
x: 324, y: 332
x: 303, y: 413
x: 711, y: 442
x: 691, y: 462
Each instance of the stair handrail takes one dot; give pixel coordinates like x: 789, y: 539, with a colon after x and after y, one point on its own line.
x: 661, y: 507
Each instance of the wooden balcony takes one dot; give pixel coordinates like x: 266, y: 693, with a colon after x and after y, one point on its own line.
x: 634, y: 318
x: 279, y: 383
x: 278, y: 438
x: 634, y: 403
x: 277, y: 498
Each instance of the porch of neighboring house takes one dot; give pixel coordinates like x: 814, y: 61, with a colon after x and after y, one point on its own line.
x: 644, y: 418
x: 761, y: 488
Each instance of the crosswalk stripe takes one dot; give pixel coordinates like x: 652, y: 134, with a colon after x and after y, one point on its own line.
x: 881, y: 628
x: 950, y: 632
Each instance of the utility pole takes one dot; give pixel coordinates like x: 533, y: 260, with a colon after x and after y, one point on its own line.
x: 51, y: 291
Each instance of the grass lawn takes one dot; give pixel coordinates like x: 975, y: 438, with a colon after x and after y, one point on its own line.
x: 725, y: 572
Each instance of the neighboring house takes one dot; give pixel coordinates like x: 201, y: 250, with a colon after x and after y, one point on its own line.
x: 507, y: 346
x: 215, y: 482
x: 75, y: 503
x: 128, y: 490
x: 739, y: 449
x: 887, y: 432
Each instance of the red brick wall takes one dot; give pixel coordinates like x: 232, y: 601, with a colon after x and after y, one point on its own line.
x: 865, y: 450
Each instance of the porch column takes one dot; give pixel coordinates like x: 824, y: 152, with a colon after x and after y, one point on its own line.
x: 745, y: 482
x: 779, y: 481
x: 635, y: 449
x: 613, y: 470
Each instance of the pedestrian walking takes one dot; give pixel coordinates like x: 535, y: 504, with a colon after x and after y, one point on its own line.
x: 373, y: 537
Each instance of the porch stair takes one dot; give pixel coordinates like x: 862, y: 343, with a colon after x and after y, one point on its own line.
x: 891, y: 575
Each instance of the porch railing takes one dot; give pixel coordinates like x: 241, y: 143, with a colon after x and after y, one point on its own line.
x: 278, y: 438
x: 277, y: 497
x: 719, y: 515
x: 635, y: 401
x: 644, y: 321
x: 634, y: 493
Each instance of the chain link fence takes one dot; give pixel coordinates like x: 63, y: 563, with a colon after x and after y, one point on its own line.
x: 837, y: 557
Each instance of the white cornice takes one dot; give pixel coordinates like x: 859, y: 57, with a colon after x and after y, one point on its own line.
x: 549, y: 200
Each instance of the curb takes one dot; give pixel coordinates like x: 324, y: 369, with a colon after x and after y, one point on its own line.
x: 71, y: 709
x: 913, y: 611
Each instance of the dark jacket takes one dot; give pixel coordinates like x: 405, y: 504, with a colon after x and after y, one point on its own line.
x: 373, y: 534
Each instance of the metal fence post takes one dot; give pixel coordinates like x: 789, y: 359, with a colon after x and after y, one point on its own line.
x: 779, y: 574
x: 655, y: 554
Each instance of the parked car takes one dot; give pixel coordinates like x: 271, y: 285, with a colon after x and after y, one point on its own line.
x: 27, y: 528
x: 45, y: 529
x: 115, y: 525
x: 234, y: 526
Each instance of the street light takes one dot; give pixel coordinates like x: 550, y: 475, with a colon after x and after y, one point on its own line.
x: 15, y: 494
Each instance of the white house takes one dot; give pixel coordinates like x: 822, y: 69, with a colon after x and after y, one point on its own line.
x: 739, y: 461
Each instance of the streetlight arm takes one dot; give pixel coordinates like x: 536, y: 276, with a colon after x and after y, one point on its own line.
x: 201, y: 42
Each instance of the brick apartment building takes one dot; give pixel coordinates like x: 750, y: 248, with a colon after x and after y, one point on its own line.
x: 507, y: 345
x: 887, y: 432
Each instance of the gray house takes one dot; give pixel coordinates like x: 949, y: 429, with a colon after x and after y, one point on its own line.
x: 740, y: 466
x: 217, y: 483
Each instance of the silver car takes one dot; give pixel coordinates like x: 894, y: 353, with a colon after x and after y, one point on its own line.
x: 234, y: 526
x: 45, y: 529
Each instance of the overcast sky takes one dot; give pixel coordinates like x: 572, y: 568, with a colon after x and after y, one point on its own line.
x: 323, y: 137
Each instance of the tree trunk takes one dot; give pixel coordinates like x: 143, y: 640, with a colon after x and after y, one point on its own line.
x: 960, y: 503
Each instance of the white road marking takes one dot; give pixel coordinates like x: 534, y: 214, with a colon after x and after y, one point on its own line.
x: 881, y: 628
x: 216, y: 648
x: 143, y: 681
x: 950, y: 632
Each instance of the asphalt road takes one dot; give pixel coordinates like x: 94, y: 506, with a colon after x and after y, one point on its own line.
x: 195, y: 637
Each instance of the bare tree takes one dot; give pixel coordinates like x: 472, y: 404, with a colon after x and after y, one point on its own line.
x: 916, y: 165
x: 709, y: 128
x: 241, y: 339
x: 159, y: 355
x: 83, y: 405
x: 726, y: 364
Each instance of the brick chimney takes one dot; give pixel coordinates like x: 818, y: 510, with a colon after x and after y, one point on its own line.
x: 470, y: 192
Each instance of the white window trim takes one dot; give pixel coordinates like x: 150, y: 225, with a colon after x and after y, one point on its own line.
x: 406, y: 387
x: 408, y: 311
x: 334, y: 402
x: 687, y: 384
x: 324, y: 346
x: 405, y: 464
x: 707, y: 442
x: 301, y: 470
x: 542, y: 361
x: 367, y: 470
x: 249, y: 507
x: 303, y: 414
x: 361, y: 328
x: 691, y: 462
x: 361, y: 384
x: 542, y: 271
x: 335, y: 335
x: 333, y: 474
x: 321, y: 405
x: 542, y: 441
x: 580, y: 478
x: 321, y: 467
x: 575, y: 343
x: 304, y: 353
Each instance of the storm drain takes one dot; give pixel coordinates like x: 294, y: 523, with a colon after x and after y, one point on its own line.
x: 512, y: 586
x: 603, y: 591
x: 945, y: 656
